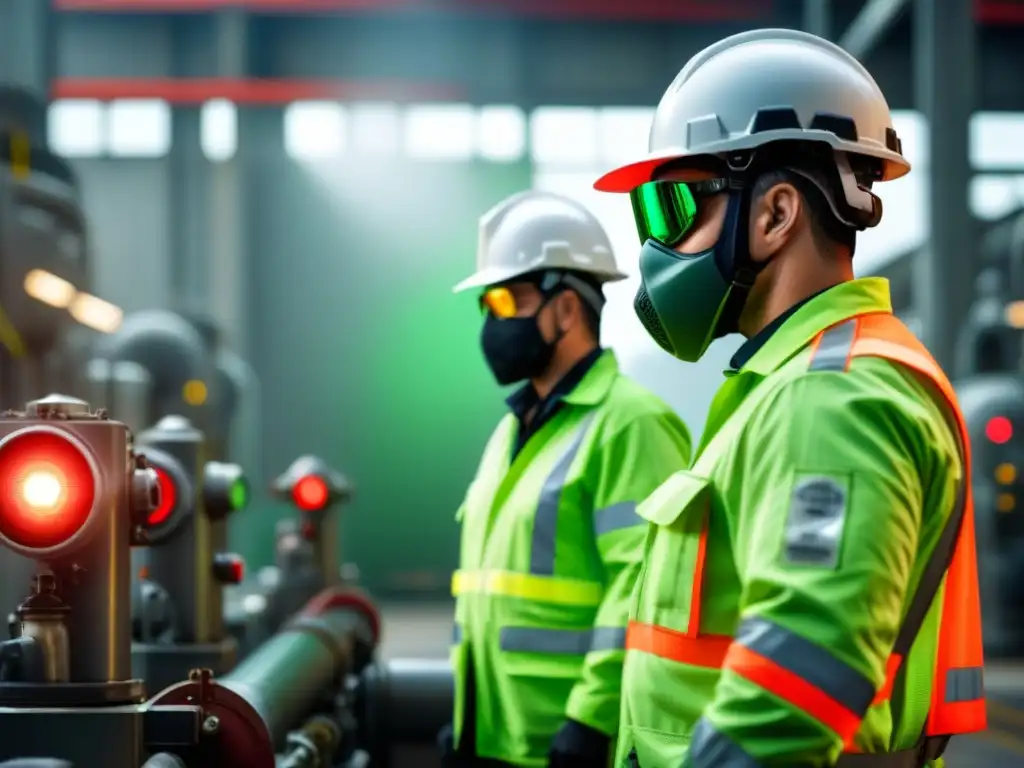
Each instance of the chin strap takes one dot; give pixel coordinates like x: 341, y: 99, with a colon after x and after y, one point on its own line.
x: 732, y: 257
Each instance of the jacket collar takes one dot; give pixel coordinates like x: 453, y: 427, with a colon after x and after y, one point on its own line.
x: 841, y: 302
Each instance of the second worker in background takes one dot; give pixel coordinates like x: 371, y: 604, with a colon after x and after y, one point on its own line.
x: 551, y: 543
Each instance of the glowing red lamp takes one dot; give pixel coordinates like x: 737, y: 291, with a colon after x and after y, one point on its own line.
x: 310, y: 493
x: 999, y: 430
x: 47, y: 489
x: 168, y: 497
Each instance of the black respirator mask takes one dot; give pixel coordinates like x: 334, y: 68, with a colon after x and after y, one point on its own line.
x: 514, y: 347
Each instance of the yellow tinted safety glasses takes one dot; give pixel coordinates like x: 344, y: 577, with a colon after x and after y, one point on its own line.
x: 499, y: 302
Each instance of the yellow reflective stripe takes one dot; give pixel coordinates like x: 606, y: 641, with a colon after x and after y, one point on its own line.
x: 545, y: 589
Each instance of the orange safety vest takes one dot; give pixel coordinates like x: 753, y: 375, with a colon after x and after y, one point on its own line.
x: 959, y: 659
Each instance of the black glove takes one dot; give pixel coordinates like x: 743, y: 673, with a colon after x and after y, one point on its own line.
x: 578, y: 746
x: 446, y: 747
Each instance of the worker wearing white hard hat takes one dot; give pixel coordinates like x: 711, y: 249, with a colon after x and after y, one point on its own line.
x: 551, y: 543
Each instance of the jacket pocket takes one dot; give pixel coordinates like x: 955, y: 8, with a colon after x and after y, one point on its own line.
x: 668, y: 591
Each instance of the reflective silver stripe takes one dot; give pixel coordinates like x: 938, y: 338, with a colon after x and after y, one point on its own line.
x: 545, y: 523
x: 608, y: 639
x: 834, y: 349
x: 616, y: 517
x: 809, y: 662
x: 710, y: 748
x: 456, y: 634
x: 562, y: 641
x: 964, y: 684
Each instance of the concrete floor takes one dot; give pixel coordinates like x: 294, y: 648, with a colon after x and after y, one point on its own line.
x: 424, y: 632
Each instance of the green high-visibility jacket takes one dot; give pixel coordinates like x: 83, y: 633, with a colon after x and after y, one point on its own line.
x: 821, y: 493
x: 550, y: 550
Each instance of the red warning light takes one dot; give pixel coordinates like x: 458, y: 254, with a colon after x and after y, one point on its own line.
x: 168, y: 497
x: 999, y: 430
x: 228, y: 568
x: 310, y: 493
x: 47, y: 490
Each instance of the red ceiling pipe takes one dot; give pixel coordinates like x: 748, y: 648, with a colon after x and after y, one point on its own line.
x: 251, y: 92
x: 635, y: 10
x: 1000, y: 13
x: 993, y: 12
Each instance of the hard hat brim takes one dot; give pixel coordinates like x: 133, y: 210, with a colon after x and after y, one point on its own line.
x: 628, y: 177
x: 489, y: 277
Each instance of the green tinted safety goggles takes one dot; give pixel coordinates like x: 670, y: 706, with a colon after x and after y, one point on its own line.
x: 665, y: 211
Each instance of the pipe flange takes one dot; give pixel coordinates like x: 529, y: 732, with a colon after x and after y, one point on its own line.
x: 334, y: 598
x: 241, y: 736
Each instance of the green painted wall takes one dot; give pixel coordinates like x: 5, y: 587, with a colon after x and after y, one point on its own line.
x: 365, y: 356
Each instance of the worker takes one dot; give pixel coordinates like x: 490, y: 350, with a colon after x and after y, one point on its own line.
x: 809, y: 595
x: 550, y: 540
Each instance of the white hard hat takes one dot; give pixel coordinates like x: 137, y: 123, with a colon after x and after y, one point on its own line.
x: 760, y: 87
x: 537, y: 231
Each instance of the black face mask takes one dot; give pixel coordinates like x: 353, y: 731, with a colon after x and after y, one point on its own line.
x: 515, y: 349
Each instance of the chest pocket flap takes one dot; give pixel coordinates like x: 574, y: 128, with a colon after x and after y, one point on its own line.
x: 668, y: 591
x: 682, y: 492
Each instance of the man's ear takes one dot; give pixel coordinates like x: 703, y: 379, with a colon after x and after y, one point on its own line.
x: 774, y: 220
x: 570, y: 306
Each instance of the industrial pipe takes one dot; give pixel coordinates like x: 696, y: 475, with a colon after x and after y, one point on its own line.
x: 403, y: 702
x: 249, y: 712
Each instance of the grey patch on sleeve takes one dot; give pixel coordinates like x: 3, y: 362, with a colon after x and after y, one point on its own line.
x: 814, y: 528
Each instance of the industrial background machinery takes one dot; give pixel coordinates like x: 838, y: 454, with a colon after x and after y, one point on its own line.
x: 306, y: 547
x: 45, y: 276
x: 177, y: 601
x: 991, y: 394
x: 77, y: 496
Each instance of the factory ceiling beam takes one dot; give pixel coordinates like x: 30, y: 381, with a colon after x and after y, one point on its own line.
x: 635, y: 10
x: 870, y: 26
x: 945, y: 89
x: 185, y: 91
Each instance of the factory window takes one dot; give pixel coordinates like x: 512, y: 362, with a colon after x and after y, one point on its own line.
x: 376, y: 128
x: 315, y: 130
x: 75, y: 128
x: 440, y: 131
x: 623, y: 133
x: 501, y: 133
x: 994, y: 196
x: 564, y: 136
x: 996, y: 140
x: 218, y: 130
x: 138, y: 128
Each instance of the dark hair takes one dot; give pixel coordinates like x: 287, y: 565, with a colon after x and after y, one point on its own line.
x: 591, y: 314
x: 828, y: 231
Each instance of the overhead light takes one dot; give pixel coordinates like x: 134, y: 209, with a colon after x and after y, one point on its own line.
x: 96, y: 313
x: 1015, y: 314
x: 48, y: 288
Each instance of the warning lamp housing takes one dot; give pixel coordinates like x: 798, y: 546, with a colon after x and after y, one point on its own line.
x: 62, y: 471
x: 311, y: 485
x: 176, y: 494
x: 228, y: 568
x: 225, y: 489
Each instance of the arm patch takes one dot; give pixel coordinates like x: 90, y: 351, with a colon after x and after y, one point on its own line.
x: 816, y: 521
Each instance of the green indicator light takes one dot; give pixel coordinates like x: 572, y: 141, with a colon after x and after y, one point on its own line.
x: 239, y: 494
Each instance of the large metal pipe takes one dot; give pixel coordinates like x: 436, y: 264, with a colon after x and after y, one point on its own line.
x: 251, y: 711
x: 403, y: 702
x: 283, y: 678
